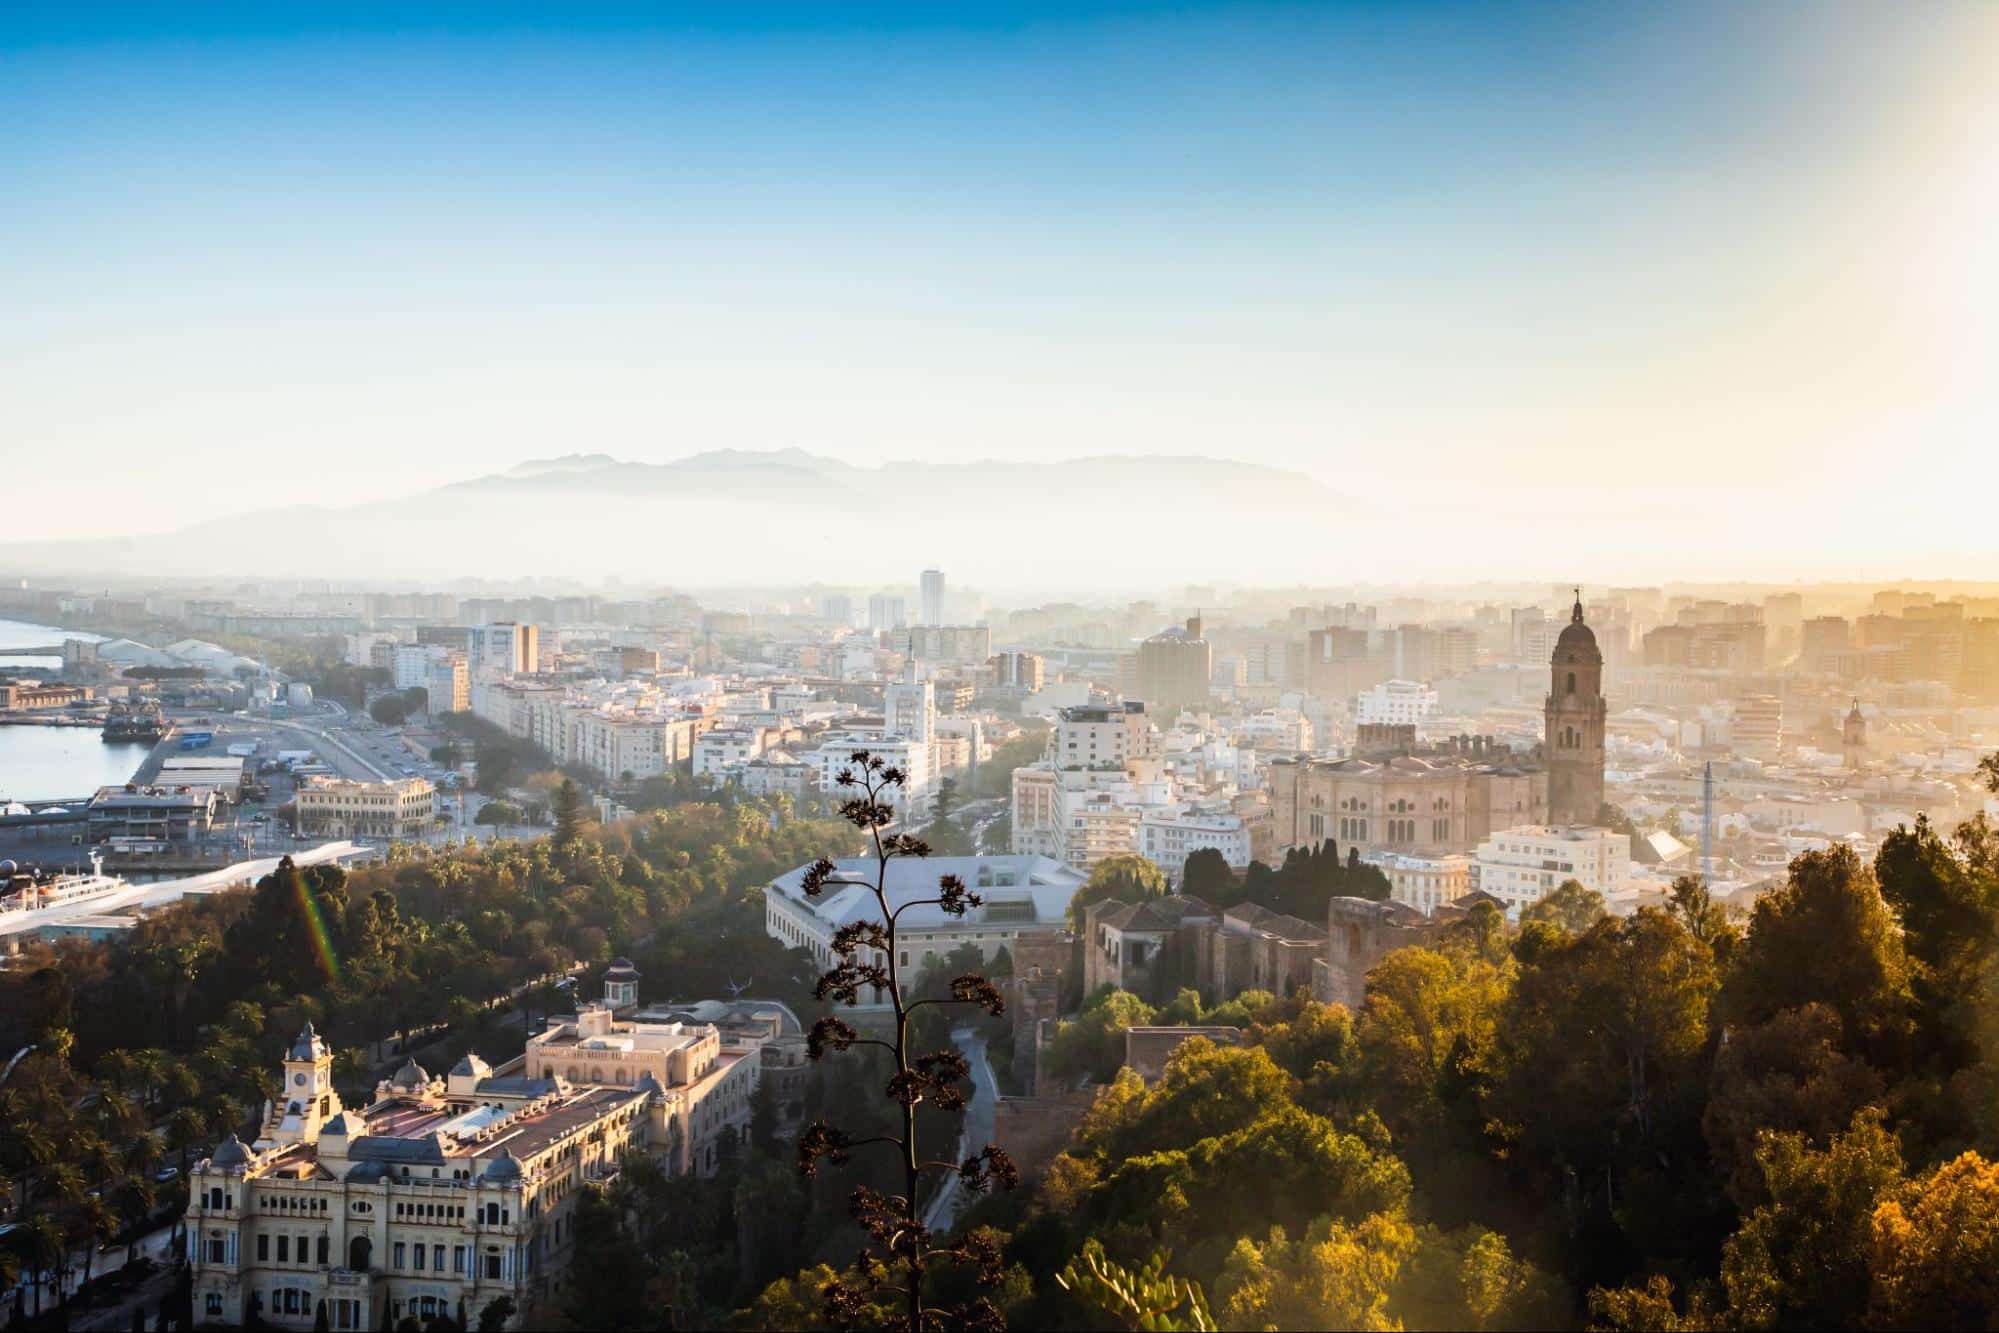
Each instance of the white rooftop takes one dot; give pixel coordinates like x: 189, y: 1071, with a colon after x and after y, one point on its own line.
x: 1047, y: 883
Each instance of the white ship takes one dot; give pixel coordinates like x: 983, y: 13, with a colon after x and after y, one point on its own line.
x: 26, y: 890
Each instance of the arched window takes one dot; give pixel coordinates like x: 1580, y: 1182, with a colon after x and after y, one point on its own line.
x: 1572, y: 682
x: 358, y: 1251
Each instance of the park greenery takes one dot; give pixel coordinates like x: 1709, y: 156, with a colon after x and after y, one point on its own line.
x: 1676, y: 1119
x: 146, y: 1050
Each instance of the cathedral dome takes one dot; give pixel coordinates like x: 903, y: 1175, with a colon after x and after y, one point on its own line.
x: 1576, y: 637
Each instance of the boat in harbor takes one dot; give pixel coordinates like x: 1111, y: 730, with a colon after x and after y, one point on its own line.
x: 146, y: 722
x: 26, y: 888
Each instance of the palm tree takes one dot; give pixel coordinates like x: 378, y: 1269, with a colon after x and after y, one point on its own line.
x: 65, y: 1183
x: 42, y: 1248
x: 94, y: 1224
x: 96, y: 1158
x: 149, y: 1073
x: 118, y: 1069
x: 116, y: 1112
x: 143, y: 1152
x: 186, y: 1128
x: 35, y: 1148
x: 10, y: 1271
x: 134, y: 1198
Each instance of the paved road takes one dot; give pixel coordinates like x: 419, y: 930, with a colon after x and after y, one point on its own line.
x: 952, y: 1200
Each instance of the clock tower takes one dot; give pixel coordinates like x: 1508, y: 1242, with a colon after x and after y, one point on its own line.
x: 308, y: 1099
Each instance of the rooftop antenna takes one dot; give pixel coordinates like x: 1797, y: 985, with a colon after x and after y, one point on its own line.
x: 1707, y: 822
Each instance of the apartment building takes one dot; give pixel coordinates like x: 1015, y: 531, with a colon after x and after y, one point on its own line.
x: 1425, y: 883
x: 1168, y: 836
x: 1522, y: 865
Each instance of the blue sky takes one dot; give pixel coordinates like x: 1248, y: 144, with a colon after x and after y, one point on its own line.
x: 1732, y: 250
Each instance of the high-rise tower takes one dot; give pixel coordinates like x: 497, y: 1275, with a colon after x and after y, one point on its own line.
x: 933, y: 597
x: 1575, y: 725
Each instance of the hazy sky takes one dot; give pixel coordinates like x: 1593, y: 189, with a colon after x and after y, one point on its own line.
x: 1713, y: 285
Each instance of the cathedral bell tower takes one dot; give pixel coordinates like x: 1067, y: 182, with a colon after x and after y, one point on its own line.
x: 1853, y: 738
x: 1575, y: 725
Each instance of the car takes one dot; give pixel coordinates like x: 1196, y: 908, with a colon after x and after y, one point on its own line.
x: 166, y: 1175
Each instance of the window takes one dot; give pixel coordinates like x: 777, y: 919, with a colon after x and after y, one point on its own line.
x: 284, y: 1249
x: 397, y: 1259
x: 263, y: 1249
x: 419, y: 1257
x: 215, y: 1303
x: 437, y: 1257
x: 319, y: 1252
x: 492, y: 1263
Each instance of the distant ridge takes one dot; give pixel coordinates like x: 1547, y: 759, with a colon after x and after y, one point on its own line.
x: 737, y: 516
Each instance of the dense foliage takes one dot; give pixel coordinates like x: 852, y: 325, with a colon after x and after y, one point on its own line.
x: 1668, y: 1120
x: 148, y: 1049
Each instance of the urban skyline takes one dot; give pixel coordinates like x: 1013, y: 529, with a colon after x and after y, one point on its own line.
x: 1197, y: 664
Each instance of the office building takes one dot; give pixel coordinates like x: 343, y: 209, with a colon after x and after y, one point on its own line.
x: 1174, y: 667
x: 932, y: 588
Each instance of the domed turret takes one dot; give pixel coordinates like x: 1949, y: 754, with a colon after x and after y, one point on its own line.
x: 506, y: 1168
x: 1577, y: 637
x: 308, y: 1045
x: 232, y: 1155
x: 621, y: 984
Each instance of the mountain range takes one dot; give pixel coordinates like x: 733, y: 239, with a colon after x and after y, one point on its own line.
x: 736, y: 517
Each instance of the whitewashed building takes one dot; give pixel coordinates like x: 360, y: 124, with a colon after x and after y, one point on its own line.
x: 1522, y: 865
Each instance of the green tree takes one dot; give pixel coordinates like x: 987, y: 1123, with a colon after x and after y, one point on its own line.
x: 946, y: 836
x: 1935, y: 1249
x: 1207, y: 876
x: 1827, y: 937
x: 391, y: 710
x: 1571, y: 906
x: 1426, y: 1033
x: 1706, y: 920
x: 1803, y: 1259
x: 1600, y: 1078
x: 1948, y: 906
x: 568, y: 813
x: 1126, y: 879
x: 1788, y: 1075
x: 1094, y: 1043
x: 1650, y: 1308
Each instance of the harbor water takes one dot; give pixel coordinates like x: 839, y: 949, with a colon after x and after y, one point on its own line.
x: 40, y: 763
